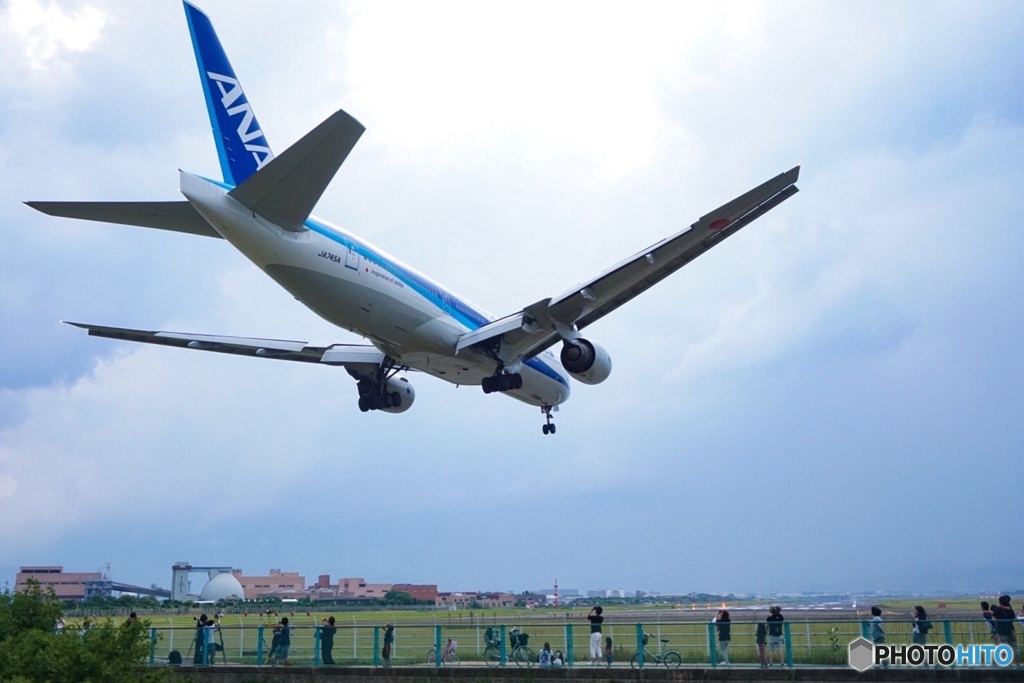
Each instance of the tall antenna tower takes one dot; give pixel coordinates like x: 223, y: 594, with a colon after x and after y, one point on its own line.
x: 556, y: 592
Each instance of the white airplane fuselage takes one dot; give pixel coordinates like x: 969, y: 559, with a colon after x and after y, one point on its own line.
x: 358, y: 287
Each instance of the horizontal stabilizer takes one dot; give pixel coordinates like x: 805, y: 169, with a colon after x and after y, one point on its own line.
x: 287, y: 188
x: 178, y: 216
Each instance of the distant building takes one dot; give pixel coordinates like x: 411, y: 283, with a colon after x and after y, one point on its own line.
x: 426, y: 592
x: 66, y: 585
x: 359, y: 588
x: 356, y: 589
x: 475, y: 600
x: 276, y: 584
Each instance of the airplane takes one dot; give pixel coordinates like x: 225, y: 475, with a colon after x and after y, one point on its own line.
x: 262, y: 206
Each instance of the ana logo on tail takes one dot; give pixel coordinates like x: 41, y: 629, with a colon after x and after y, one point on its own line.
x: 230, y: 92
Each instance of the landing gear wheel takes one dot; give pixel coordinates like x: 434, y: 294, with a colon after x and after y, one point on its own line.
x: 364, y: 404
x: 502, y: 382
x: 549, y: 426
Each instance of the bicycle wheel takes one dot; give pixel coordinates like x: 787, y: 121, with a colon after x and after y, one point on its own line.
x: 492, y: 657
x: 673, y: 659
x: 524, y: 656
x: 635, y: 661
x: 432, y: 656
x: 452, y: 659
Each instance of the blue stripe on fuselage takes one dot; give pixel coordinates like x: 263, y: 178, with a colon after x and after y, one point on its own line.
x: 458, y: 309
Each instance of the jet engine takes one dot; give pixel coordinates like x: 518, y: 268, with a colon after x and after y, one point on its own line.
x: 396, y: 396
x: 586, y: 361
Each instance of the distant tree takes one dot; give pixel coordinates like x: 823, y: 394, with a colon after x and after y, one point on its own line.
x: 34, y: 650
x: 398, y: 598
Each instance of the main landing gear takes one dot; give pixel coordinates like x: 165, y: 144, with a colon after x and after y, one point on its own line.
x: 548, y: 427
x: 502, y: 382
x: 375, y: 393
x: 373, y: 396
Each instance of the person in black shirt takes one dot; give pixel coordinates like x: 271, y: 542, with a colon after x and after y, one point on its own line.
x: 1004, y: 616
x: 724, y: 627
x: 775, y: 639
x: 596, y: 620
x: 389, y: 638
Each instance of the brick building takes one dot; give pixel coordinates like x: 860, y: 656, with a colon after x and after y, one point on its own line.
x: 66, y: 585
x: 276, y: 583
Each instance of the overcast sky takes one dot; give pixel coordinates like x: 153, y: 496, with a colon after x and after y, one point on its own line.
x: 831, y: 400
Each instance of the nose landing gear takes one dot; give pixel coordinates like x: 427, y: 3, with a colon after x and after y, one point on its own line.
x: 548, y: 427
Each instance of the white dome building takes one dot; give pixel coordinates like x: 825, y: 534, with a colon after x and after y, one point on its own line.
x: 224, y: 586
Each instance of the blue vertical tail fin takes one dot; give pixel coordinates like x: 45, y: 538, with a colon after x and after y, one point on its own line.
x: 241, y: 145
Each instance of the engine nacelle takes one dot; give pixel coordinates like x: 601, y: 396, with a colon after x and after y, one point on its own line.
x: 397, y: 397
x: 586, y: 361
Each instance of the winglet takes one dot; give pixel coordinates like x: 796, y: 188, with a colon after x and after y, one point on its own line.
x: 241, y: 145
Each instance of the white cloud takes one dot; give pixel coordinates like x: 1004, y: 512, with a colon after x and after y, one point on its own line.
x: 47, y: 31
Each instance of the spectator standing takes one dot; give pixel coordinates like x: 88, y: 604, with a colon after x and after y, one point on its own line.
x: 877, y: 630
x: 724, y: 628
x: 596, y: 619
x: 986, y: 613
x: 609, y: 652
x: 761, y: 638
x: 327, y: 631
x: 200, y: 640
x: 211, y: 649
x: 283, y: 636
x: 389, y: 639
x: 775, y: 637
x: 921, y: 626
x: 1004, y: 617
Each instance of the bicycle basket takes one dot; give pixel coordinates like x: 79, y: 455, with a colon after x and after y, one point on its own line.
x: 519, y: 639
x: 646, y: 638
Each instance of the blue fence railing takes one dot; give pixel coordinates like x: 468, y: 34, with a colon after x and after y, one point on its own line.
x: 694, y: 643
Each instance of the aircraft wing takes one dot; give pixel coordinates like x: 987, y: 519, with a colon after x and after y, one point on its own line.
x: 542, y: 324
x: 360, y: 359
x: 179, y: 216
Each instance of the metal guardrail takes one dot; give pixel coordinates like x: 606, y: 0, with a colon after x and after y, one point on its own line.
x: 805, y: 643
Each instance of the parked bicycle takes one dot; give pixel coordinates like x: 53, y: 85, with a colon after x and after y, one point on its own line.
x: 449, y: 655
x: 522, y: 654
x: 671, y: 659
